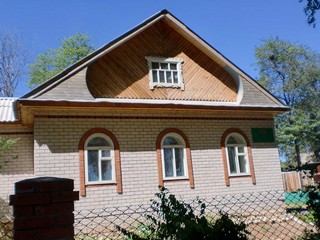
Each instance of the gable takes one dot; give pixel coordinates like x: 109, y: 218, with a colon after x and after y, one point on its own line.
x: 123, y: 73
x: 117, y: 74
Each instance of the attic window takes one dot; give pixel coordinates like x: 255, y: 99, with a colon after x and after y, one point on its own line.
x: 165, y: 72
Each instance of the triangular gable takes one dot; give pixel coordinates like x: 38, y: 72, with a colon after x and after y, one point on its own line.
x: 249, y: 92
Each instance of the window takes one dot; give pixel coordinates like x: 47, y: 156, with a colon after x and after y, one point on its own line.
x: 173, y: 157
x: 99, y: 156
x: 165, y: 72
x: 237, y: 155
x: 99, y: 159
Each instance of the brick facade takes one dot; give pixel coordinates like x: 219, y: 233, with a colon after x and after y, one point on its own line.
x: 56, y: 153
x: 17, y: 162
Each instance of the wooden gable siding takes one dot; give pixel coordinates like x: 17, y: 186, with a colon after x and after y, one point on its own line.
x: 123, y: 72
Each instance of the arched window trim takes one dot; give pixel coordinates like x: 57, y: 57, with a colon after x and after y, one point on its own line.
x: 224, y: 137
x: 160, y: 138
x: 111, y: 148
x: 117, y: 165
x: 245, y: 153
x: 180, y: 145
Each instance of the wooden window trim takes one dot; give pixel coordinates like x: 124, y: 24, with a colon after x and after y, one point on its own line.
x: 225, y: 159
x: 100, y: 184
x: 178, y: 61
x: 118, y: 177
x: 188, y: 155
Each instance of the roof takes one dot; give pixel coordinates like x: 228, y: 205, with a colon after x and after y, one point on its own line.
x: 38, y: 97
x: 174, y: 23
x: 8, y: 110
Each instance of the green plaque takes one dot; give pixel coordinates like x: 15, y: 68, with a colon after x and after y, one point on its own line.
x: 262, y: 135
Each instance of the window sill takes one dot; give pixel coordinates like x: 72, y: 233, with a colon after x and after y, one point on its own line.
x: 240, y: 176
x: 175, y: 179
x: 100, y: 184
x: 166, y: 85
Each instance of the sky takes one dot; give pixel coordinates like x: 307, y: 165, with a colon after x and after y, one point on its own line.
x: 234, y: 27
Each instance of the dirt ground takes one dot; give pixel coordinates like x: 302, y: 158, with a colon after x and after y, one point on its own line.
x: 288, y: 228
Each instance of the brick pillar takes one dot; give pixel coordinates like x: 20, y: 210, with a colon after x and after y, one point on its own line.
x: 43, y: 208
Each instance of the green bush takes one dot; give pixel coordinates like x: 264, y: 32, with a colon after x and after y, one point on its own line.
x: 175, y: 220
x: 314, y: 209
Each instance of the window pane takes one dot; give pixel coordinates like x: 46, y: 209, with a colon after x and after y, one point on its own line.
x: 179, y: 161
x: 93, y: 166
x: 106, y: 170
x: 161, y: 76
x: 169, y: 77
x: 168, y: 166
x: 232, y: 160
x: 173, y: 66
x: 155, y: 65
x: 164, y: 65
x: 98, y: 142
x: 154, y: 76
x: 175, y: 77
x: 242, y: 164
x: 105, y: 153
x: 170, y: 141
x: 240, y: 149
x: 231, y: 140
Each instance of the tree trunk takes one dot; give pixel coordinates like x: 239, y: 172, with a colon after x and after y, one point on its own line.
x: 297, y: 151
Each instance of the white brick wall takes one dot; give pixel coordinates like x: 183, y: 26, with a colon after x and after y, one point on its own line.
x: 17, y: 162
x: 56, y: 154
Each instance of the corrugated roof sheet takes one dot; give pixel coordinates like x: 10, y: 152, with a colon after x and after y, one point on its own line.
x: 8, y: 110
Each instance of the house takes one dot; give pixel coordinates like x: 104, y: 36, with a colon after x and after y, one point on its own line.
x: 156, y: 106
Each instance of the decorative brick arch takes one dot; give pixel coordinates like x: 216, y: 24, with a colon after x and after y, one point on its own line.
x: 82, y: 158
x: 224, y: 155
x: 188, y: 155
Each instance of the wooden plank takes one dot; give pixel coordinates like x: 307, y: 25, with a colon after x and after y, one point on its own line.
x: 123, y: 73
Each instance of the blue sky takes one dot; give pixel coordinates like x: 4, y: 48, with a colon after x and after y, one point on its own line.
x: 233, y: 27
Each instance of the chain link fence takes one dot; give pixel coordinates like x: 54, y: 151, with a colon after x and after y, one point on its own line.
x: 268, y: 215
x: 6, y: 220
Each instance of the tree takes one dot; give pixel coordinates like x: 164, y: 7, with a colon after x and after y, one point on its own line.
x: 13, y: 60
x: 51, y: 62
x: 292, y: 73
x: 6, y: 144
x: 310, y: 10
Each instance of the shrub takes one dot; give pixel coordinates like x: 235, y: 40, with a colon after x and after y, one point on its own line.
x: 176, y: 220
x: 314, y: 209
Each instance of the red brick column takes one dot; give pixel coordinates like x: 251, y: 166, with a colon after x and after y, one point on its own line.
x: 43, y: 208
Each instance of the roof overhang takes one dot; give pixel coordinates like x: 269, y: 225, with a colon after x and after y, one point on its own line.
x: 28, y: 107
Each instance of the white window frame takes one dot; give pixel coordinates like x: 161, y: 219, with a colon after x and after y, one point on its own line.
x: 237, y: 154
x: 159, y: 60
x: 112, y: 158
x: 185, y: 166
